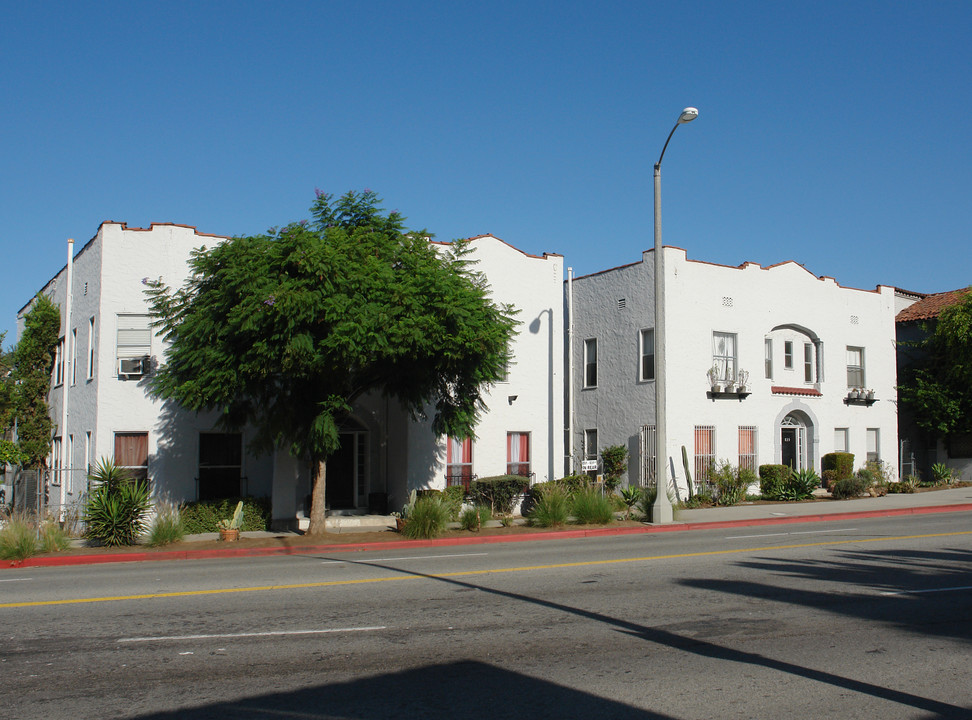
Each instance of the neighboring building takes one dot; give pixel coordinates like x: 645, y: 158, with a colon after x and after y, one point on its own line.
x: 916, y: 319
x: 804, y: 346
x: 102, y: 406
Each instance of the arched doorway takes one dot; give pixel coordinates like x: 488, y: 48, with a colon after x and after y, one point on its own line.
x: 794, y: 446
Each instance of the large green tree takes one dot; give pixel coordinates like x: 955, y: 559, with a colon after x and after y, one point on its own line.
x: 33, y: 361
x: 936, y: 386
x: 287, y: 329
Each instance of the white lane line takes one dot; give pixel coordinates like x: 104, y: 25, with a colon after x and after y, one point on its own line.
x: 15, y: 579
x: 801, y: 532
x: 931, y: 590
x: 277, y: 633
x: 399, y: 559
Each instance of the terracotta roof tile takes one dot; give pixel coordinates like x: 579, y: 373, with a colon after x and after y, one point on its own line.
x: 931, y: 306
x: 806, y: 391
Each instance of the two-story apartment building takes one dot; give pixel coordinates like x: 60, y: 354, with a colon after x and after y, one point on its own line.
x: 102, y: 405
x: 811, y: 366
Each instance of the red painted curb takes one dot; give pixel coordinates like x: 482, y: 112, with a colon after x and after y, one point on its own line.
x: 66, y: 560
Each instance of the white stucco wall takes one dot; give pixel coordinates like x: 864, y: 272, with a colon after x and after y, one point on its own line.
x: 753, y: 303
x: 532, y: 400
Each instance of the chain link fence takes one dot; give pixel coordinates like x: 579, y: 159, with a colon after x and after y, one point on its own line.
x: 44, y: 493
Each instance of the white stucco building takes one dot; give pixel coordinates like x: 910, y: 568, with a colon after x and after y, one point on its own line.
x: 102, y: 406
x: 801, y: 343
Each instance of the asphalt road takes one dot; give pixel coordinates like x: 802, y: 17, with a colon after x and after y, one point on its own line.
x: 870, y: 619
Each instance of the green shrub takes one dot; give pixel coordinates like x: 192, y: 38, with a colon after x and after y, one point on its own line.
x: 499, y: 492
x: 699, y: 500
x: 836, y: 466
x: 730, y: 483
x: 203, y: 516
x: 773, y: 479
x: 573, y: 483
x: 53, y: 538
x: 18, y: 539
x: 427, y: 519
x: 115, y: 513
x: 552, y: 508
x: 779, y: 482
x: 453, y: 498
x: 590, y: 507
x: 851, y: 487
x: 473, y: 518
x: 906, y: 485
x: 166, y: 528
x: 614, y: 460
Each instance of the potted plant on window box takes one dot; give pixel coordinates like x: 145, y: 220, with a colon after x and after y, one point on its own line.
x: 742, y: 380
x: 229, y: 528
x: 853, y: 394
x: 715, y: 381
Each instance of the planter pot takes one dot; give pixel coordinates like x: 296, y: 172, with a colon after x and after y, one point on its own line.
x: 230, y: 535
x: 716, y: 387
x: 870, y: 395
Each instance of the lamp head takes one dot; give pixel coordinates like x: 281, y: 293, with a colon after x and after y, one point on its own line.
x: 688, y: 115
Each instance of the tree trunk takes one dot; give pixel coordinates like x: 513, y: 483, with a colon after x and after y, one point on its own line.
x: 317, y: 514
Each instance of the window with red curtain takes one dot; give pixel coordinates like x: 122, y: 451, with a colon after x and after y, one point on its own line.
x: 131, y: 452
x: 459, y: 462
x: 518, y: 454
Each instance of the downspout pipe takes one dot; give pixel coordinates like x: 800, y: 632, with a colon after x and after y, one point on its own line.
x: 68, y: 364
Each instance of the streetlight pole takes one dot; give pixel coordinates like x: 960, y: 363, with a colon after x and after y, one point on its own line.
x: 661, y: 511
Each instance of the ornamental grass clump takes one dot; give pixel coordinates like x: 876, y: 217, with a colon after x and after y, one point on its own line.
x: 166, y: 528
x: 473, y: 518
x: 589, y: 507
x: 427, y: 519
x: 18, y: 539
x: 52, y: 537
x: 551, y: 508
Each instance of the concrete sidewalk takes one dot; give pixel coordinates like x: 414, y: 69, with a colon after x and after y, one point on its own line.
x: 952, y: 500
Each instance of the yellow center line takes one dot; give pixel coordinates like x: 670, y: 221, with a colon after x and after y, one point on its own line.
x: 468, y: 573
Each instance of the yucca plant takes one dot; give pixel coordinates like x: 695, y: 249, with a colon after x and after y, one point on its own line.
x: 630, y: 496
x: 116, y: 507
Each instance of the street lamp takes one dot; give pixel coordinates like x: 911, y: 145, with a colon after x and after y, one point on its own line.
x: 661, y: 511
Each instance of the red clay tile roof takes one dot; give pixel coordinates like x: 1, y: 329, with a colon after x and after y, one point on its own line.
x: 931, y: 305
x: 809, y: 392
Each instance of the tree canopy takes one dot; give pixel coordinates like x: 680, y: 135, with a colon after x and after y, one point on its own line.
x: 936, y: 387
x: 285, y: 330
x: 33, y: 360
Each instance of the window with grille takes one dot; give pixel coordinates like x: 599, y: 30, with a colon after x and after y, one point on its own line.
x: 518, y: 453
x: 704, y: 453
x: 459, y: 462
x: 748, y: 447
x: 648, y: 455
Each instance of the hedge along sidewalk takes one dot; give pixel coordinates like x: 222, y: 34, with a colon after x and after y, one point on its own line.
x: 939, y: 501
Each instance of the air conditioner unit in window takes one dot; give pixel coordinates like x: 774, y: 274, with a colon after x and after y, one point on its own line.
x: 133, y: 367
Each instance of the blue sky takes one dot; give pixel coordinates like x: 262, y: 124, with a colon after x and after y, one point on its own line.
x: 836, y: 134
